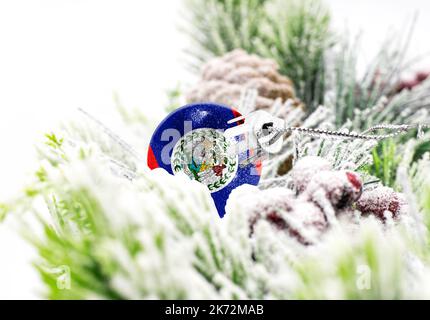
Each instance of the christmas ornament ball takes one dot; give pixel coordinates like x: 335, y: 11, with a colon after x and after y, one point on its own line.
x: 190, y: 140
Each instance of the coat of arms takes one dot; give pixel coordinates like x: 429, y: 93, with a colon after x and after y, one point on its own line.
x: 203, y: 155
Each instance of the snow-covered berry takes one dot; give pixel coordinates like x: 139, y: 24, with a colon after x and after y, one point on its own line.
x: 380, y: 202
x: 307, y: 168
x: 300, y: 219
x: 341, y: 188
x: 413, y: 82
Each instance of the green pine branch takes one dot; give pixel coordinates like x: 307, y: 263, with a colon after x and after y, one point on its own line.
x: 293, y: 33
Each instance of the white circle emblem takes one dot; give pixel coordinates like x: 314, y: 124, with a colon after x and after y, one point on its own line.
x: 203, y: 155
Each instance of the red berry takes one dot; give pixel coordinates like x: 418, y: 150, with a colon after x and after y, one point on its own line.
x: 410, y: 84
x: 422, y: 75
x: 380, y: 201
x: 306, y: 168
x: 285, y: 213
x: 341, y: 188
x: 354, y: 179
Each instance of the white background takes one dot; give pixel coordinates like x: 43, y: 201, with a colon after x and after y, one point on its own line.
x: 57, y: 55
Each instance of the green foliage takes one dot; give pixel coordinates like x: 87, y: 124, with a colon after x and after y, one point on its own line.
x: 426, y: 208
x: 53, y: 141
x: 360, y: 268
x: 293, y: 33
x: 420, y: 182
x: 74, y: 243
x: 173, y: 98
x: 41, y: 174
x: 322, y: 66
x: 344, y: 82
x: 160, y: 242
x: 3, y: 211
x: 421, y: 149
x: 385, y: 162
x: 297, y: 38
x: 388, y: 155
x: 123, y: 251
x: 158, y: 236
x: 219, y: 26
x: 354, y: 96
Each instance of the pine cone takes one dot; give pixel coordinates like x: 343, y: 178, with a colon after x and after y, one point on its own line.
x: 225, y: 78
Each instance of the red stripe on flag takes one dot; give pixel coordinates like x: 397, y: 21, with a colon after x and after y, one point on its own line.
x: 237, y: 114
x: 152, y: 162
x: 258, y: 167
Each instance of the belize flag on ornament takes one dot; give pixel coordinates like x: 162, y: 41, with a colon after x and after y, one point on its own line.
x: 191, y: 140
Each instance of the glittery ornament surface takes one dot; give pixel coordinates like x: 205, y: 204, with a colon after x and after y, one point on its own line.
x: 190, y: 140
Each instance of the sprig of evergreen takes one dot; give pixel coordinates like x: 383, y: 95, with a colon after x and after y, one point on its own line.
x: 219, y: 26
x: 293, y: 33
x: 159, y: 236
x: 297, y: 37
